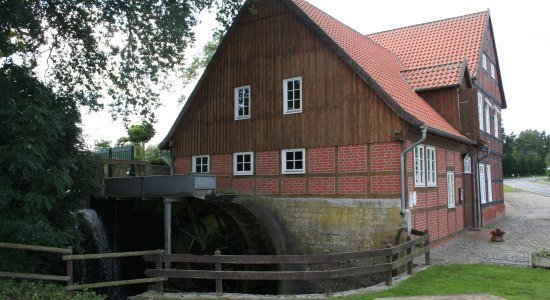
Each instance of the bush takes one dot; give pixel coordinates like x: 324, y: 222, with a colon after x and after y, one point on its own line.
x: 10, y: 289
x: 542, y: 252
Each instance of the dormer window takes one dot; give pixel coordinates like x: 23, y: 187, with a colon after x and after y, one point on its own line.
x: 242, y: 103
x: 292, y: 95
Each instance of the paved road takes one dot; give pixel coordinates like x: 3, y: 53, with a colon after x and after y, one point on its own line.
x: 527, y: 227
x: 533, y: 185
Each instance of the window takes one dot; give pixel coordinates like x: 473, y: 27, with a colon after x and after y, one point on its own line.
x: 482, y: 183
x: 419, y: 175
x: 495, y: 121
x: 487, y: 117
x: 493, y: 75
x: 292, y: 95
x: 489, y: 184
x: 242, y: 103
x: 431, y: 166
x: 480, y: 109
x: 451, y: 189
x: 243, y: 163
x: 467, y: 164
x: 294, y: 161
x: 201, y: 163
x: 484, y: 61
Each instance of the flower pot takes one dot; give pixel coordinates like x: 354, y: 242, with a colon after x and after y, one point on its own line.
x: 540, y: 261
x: 497, y: 238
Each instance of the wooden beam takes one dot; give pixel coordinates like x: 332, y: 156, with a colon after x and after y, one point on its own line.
x: 114, y: 283
x: 35, y: 248
x: 111, y: 255
x: 34, y: 276
x: 239, y: 275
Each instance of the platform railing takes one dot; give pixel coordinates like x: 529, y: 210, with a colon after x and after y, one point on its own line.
x: 408, y: 250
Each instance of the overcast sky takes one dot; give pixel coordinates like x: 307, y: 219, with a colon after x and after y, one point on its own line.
x: 522, y: 35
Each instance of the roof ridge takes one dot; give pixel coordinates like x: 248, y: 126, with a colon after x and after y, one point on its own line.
x: 426, y: 23
x: 437, y: 65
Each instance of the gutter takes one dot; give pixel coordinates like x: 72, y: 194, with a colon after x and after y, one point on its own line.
x: 479, y: 159
x: 423, y: 130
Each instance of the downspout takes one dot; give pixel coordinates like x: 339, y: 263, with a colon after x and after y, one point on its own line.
x: 423, y: 130
x: 479, y: 159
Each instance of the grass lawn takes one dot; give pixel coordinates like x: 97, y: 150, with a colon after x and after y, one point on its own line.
x: 505, y: 282
x: 508, y: 189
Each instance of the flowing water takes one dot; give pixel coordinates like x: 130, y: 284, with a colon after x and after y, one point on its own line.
x: 93, y: 239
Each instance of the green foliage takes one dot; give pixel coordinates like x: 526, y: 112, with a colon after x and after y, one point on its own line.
x: 544, y: 252
x: 156, y: 156
x: 43, y: 175
x: 506, y: 282
x: 121, y: 50
x: 102, y: 144
x: 525, y: 153
x: 10, y: 289
x: 139, y: 135
x: 122, y: 141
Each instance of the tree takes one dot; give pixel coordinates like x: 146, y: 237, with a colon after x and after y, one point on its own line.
x: 141, y: 134
x: 156, y: 156
x: 103, y: 144
x: 43, y: 172
x: 525, y: 153
x: 121, y: 142
x: 106, y: 49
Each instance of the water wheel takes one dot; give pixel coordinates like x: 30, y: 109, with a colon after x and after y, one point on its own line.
x: 201, y: 227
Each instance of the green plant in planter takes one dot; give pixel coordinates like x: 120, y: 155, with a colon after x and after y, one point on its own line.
x: 541, y: 258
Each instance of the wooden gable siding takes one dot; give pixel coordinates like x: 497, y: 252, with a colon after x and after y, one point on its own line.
x: 445, y: 101
x: 261, y: 51
x: 489, y: 86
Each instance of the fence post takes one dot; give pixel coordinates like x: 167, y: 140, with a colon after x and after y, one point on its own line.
x: 410, y: 262
x: 389, y: 261
x: 427, y: 244
x: 218, y: 281
x: 328, y: 261
x: 70, y: 270
x: 158, y: 265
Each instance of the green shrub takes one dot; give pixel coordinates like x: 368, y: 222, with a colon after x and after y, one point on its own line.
x: 542, y: 252
x: 10, y: 289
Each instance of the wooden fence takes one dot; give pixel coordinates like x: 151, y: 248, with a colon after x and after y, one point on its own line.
x: 410, y: 249
x: 69, y: 258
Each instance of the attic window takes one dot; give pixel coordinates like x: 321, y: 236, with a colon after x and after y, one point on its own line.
x: 242, y: 103
x: 292, y: 95
x: 493, y: 71
x: 484, y: 61
x: 201, y: 163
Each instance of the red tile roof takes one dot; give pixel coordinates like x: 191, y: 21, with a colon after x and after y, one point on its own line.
x: 436, y: 43
x: 380, y: 65
x: 445, y: 75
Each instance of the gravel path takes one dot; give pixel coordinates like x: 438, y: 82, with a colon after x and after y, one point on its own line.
x: 527, y: 227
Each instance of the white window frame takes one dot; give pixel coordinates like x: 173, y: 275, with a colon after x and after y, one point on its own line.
x: 489, y: 183
x: 418, y: 166
x: 236, y: 163
x: 451, y: 194
x: 480, y: 110
x: 482, y: 188
x: 484, y: 61
x: 487, y: 116
x: 495, y: 122
x: 284, y: 161
x: 287, y: 111
x: 493, y: 74
x: 431, y: 166
x: 243, y: 117
x: 194, y: 163
x: 467, y: 164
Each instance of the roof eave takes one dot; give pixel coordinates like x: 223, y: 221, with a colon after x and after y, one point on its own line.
x: 451, y: 136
